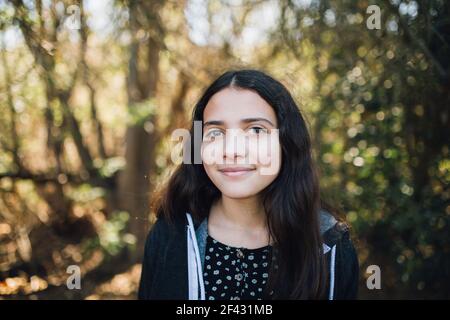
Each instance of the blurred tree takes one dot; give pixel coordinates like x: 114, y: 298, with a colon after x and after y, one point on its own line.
x: 141, y: 137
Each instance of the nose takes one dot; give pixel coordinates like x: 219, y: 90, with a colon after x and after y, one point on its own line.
x: 236, y: 145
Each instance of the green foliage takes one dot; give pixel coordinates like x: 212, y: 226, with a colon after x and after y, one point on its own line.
x: 140, y: 112
x: 112, y: 237
x: 85, y: 193
x: 382, y: 125
x: 111, y: 165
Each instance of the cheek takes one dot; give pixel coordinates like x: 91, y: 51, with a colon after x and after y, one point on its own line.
x: 266, y: 153
x: 212, y: 152
x: 210, y: 159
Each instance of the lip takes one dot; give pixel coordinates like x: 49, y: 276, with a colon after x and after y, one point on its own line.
x: 235, y: 171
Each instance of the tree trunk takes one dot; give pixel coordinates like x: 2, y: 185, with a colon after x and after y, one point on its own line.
x: 134, y: 183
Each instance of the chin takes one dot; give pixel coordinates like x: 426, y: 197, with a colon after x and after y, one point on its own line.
x: 238, y: 193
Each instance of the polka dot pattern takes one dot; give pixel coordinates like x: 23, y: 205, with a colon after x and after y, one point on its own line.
x: 233, y: 273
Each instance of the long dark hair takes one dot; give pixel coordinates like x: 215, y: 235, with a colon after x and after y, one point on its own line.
x: 292, y: 201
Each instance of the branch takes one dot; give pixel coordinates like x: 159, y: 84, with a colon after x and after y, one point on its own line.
x: 91, y: 88
x: 47, y: 63
x: 419, y: 42
x: 12, y: 110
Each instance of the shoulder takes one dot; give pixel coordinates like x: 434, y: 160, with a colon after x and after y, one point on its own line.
x: 163, y: 229
x: 333, y: 230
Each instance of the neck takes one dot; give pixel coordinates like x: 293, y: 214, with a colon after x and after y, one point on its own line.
x: 242, y: 213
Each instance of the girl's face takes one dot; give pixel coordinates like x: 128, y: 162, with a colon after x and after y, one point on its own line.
x: 240, y: 149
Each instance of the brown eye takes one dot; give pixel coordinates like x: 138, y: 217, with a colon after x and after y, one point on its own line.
x: 257, y: 130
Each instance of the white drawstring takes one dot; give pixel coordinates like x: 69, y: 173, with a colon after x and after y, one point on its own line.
x: 192, y: 268
x: 194, y: 264
x: 332, y: 269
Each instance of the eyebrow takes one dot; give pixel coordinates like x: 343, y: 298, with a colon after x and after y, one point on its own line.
x: 246, y: 120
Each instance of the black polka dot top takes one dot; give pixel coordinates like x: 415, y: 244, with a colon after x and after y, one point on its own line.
x: 232, y: 273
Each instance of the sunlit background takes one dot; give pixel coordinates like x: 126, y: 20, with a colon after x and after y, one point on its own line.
x: 90, y: 92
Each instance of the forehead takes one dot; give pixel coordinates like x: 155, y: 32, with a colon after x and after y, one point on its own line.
x: 231, y: 105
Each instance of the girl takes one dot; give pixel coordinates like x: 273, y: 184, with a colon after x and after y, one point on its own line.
x: 237, y: 227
